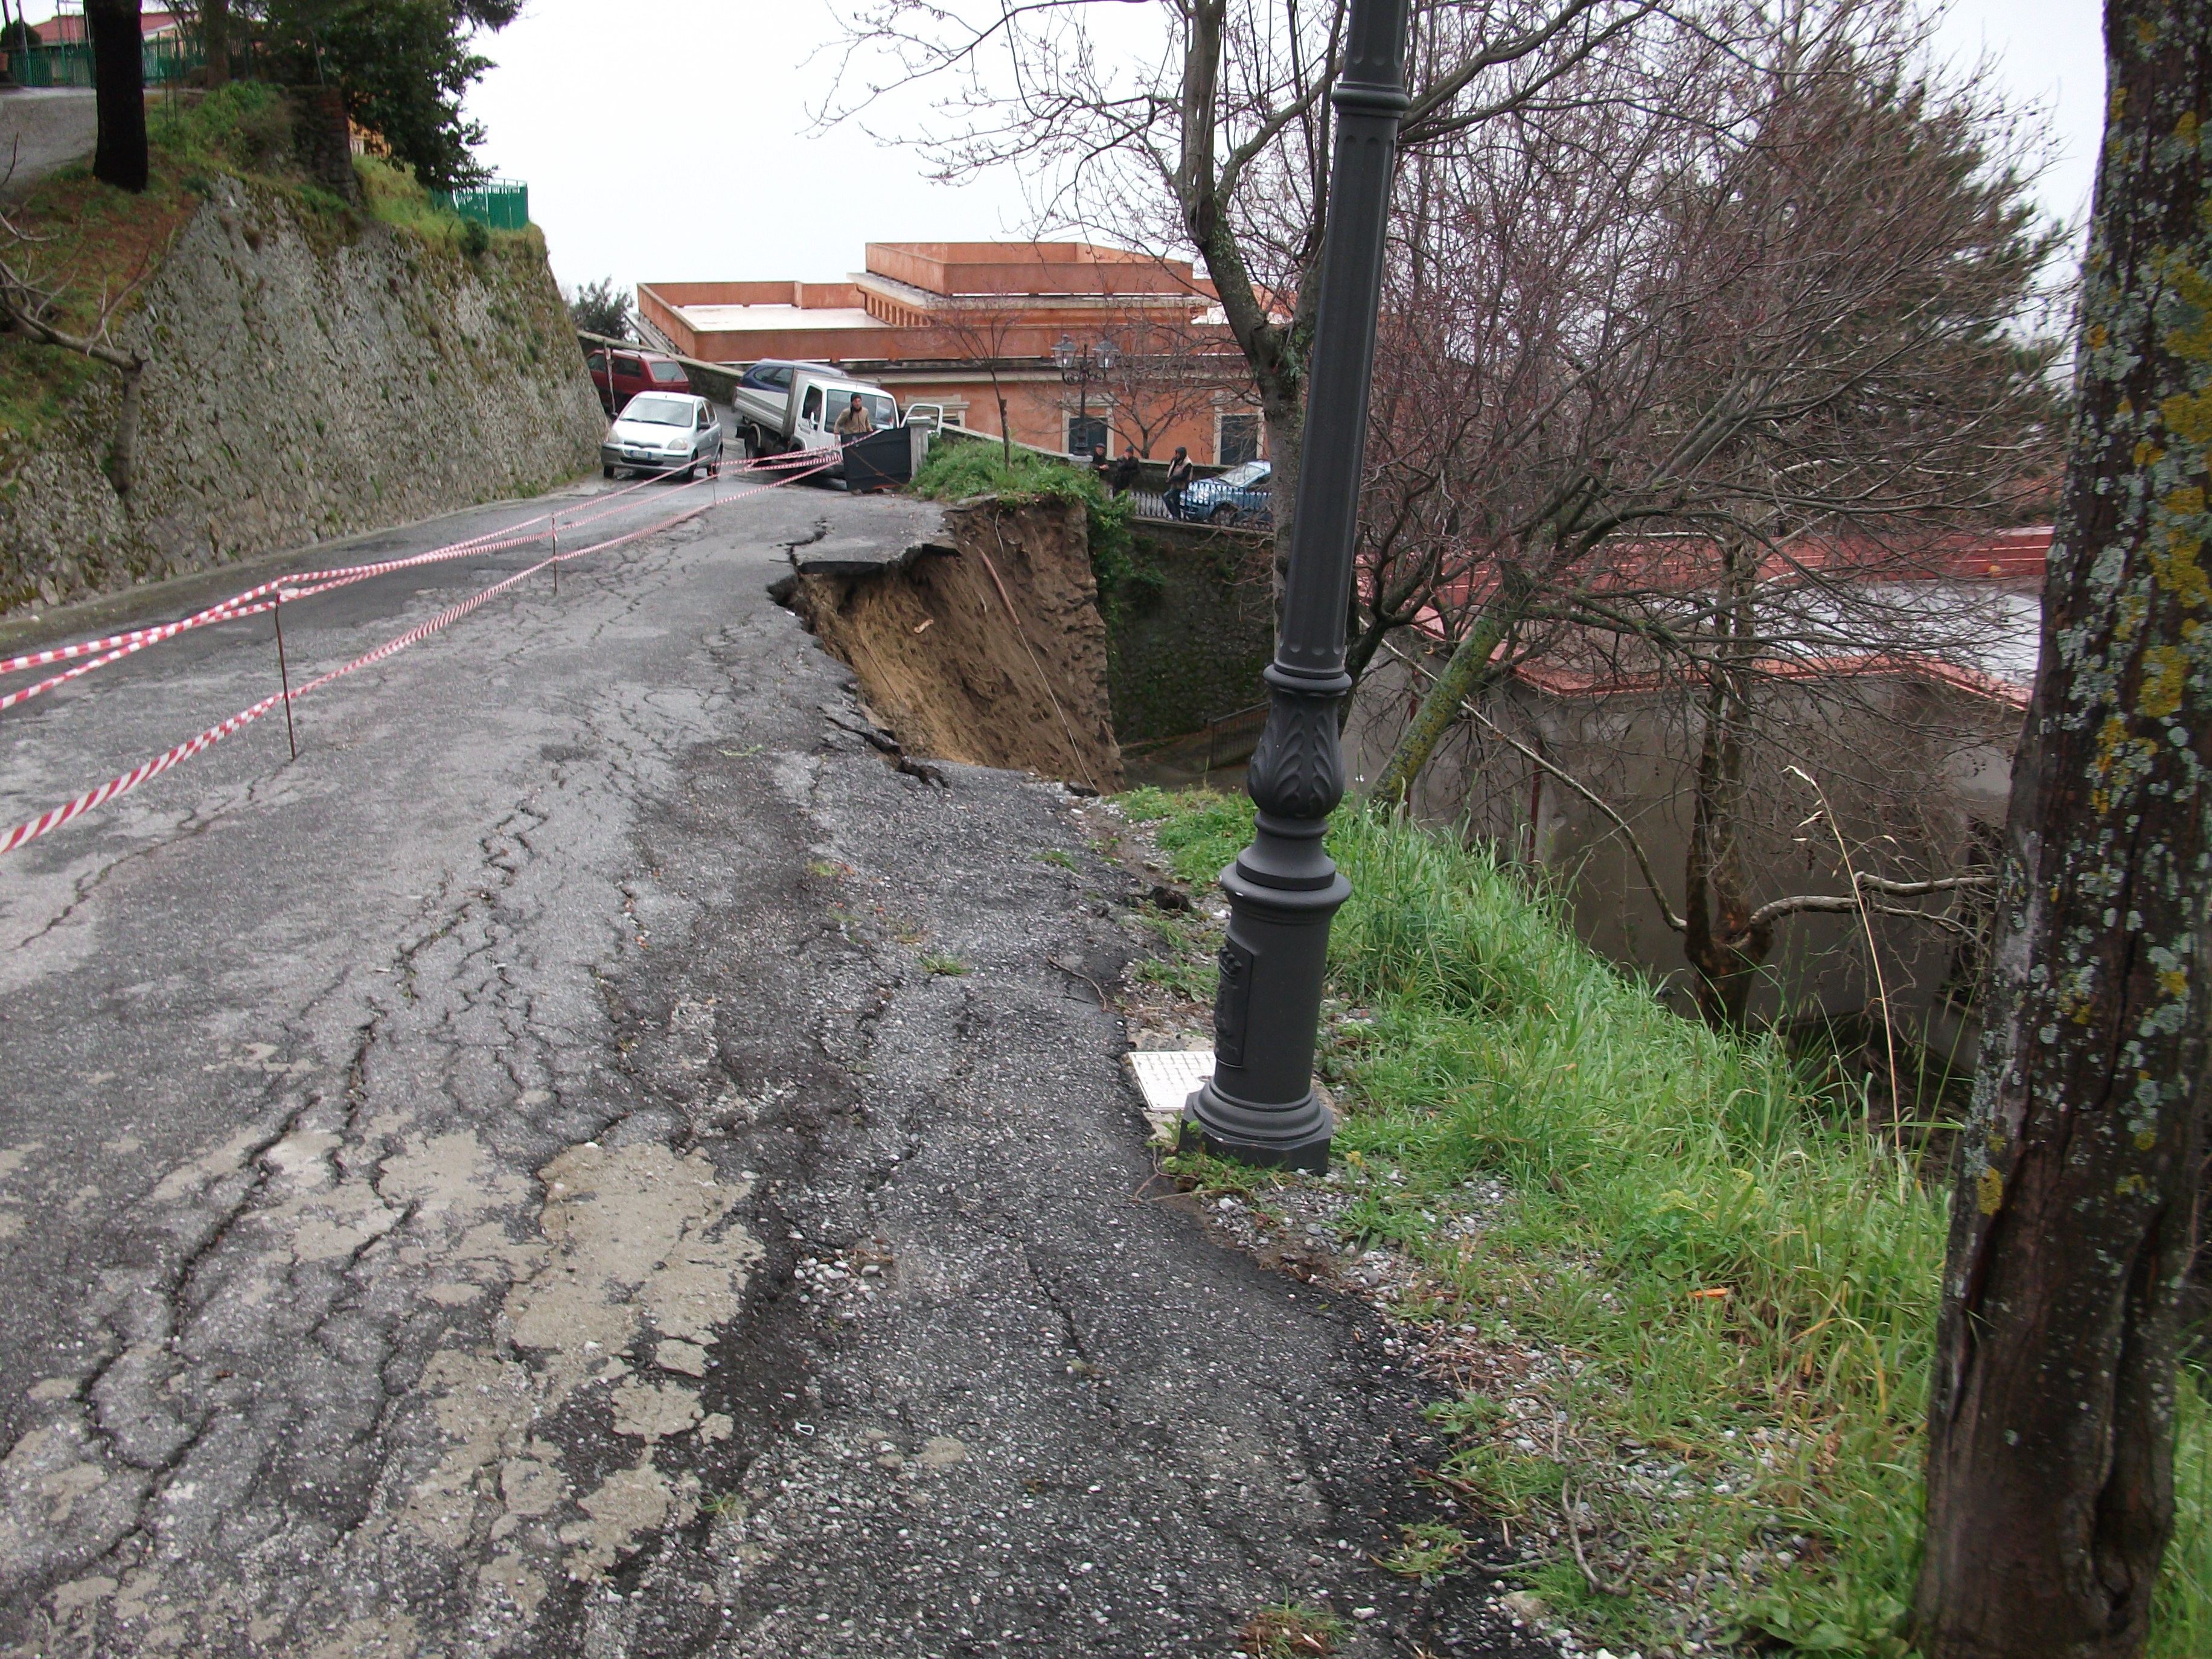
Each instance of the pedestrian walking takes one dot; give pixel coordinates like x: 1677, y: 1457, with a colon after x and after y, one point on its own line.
x: 1126, y: 470
x: 1178, y: 481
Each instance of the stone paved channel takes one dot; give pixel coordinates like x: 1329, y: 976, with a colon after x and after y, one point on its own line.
x: 591, y: 1159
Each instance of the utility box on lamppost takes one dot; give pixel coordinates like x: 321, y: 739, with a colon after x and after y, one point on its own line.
x: 1260, y: 1105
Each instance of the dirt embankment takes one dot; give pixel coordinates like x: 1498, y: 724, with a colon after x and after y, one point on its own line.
x: 991, y: 651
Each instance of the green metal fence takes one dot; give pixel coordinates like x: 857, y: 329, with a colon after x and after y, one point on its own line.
x: 167, y: 61
x: 496, y: 203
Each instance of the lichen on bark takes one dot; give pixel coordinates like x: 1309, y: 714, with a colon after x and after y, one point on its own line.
x: 2051, y: 1411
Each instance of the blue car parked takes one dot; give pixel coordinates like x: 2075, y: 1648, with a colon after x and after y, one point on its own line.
x: 1238, y: 496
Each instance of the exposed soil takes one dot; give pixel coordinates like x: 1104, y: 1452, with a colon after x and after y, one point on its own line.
x: 992, y: 652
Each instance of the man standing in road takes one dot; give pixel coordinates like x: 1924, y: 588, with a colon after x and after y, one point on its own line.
x: 854, y: 422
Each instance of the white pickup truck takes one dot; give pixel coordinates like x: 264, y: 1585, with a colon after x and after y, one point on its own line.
x: 781, y: 406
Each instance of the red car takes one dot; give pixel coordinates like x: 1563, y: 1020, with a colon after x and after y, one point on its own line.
x: 635, y: 372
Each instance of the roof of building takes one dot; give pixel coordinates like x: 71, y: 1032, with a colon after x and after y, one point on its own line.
x: 933, y: 300
x: 735, y: 319
x: 67, y: 28
x: 1998, y: 572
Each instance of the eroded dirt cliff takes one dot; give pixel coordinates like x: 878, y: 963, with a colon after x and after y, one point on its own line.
x: 985, y: 647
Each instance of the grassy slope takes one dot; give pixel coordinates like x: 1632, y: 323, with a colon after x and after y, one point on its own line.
x: 1737, y: 1294
x: 91, y: 240
x: 957, y: 471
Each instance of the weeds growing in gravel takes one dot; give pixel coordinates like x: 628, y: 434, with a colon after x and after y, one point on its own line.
x: 1691, y: 1349
x: 1290, y: 1631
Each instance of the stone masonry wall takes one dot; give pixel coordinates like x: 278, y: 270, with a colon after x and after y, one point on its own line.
x: 310, y: 376
x: 1189, y: 631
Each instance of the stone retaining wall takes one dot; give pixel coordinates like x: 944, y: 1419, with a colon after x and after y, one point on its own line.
x: 311, y: 375
x: 1190, y: 630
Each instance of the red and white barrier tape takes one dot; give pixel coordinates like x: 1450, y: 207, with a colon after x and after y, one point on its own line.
x: 491, y: 541
x: 55, y: 816
x: 304, y: 585
x: 117, y: 646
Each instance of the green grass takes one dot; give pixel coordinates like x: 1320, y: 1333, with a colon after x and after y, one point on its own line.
x: 950, y: 967
x: 958, y: 469
x: 1290, y: 1630
x: 1731, y: 1277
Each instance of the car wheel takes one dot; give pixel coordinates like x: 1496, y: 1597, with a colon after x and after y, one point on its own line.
x: 1222, y: 516
x: 606, y: 472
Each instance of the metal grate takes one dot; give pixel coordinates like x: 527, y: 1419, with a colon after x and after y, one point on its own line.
x: 1232, y: 737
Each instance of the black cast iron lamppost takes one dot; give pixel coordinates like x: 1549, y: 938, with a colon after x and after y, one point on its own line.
x: 1260, y: 1105
x: 1079, y: 365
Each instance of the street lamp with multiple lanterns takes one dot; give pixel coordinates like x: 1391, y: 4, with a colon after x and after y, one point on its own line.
x: 1079, y: 366
x: 1260, y: 1105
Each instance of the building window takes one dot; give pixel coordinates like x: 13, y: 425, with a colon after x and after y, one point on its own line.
x: 1085, y: 433
x: 1237, y: 439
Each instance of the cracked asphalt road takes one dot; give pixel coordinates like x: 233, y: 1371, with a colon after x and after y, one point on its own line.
x: 590, y: 1159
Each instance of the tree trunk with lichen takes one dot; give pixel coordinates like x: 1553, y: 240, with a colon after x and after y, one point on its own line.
x: 2052, y: 1417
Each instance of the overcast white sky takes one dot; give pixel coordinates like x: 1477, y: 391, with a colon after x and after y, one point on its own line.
x: 667, y: 139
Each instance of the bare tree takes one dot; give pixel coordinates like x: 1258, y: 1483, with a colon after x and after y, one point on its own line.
x: 1778, y: 303
x: 1212, y: 132
x: 2051, y: 1412
x: 1795, y: 794
x: 978, y: 328
x: 1162, y: 371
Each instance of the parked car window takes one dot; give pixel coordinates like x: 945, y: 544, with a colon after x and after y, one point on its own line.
x: 779, y: 376
x: 669, y: 373
x: 1245, y: 476
x: 597, y: 362
x: 882, y: 411
x: 630, y: 365
x: 706, y: 417
x: 810, y: 408
x: 657, y: 410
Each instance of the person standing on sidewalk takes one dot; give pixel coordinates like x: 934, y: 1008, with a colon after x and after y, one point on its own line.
x: 1178, y: 481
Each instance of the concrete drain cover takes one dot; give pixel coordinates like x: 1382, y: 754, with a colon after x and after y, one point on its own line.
x: 1168, y: 1077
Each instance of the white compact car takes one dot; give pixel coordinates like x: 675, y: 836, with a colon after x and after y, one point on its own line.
x: 663, y: 432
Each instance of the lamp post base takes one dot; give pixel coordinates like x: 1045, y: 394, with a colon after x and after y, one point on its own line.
x: 1293, y: 1138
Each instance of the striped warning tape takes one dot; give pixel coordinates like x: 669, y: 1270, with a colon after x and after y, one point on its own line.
x: 303, y: 585
x: 55, y: 816
x: 117, y: 646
